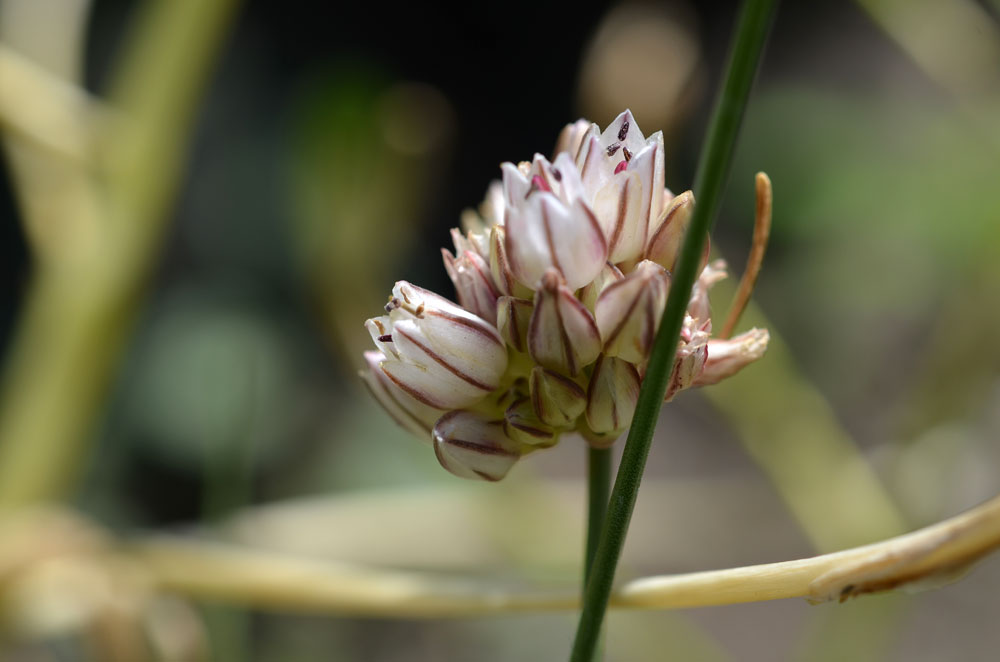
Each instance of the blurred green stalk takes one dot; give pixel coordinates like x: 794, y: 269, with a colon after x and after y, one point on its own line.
x: 85, y: 291
x: 754, y: 22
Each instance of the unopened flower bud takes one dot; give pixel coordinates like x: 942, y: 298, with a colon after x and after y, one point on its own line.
x: 557, y: 400
x: 471, y: 275
x: 628, y: 312
x: 522, y: 424
x: 727, y: 357
x: 437, y: 352
x: 611, y: 397
x: 562, y: 335
x: 571, y: 138
x: 668, y: 232
x: 471, y: 446
x: 500, y: 265
x: 513, y: 320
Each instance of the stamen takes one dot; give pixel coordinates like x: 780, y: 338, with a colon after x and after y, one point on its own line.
x: 622, y: 132
x: 627, y: 154
x: 612, y: 148
x: 621, y: 166
x: 387, y: 337
x: 761, y: 233
x: 557, y: 174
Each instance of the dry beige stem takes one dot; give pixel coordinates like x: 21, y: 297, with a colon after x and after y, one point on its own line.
x: 267, y: 580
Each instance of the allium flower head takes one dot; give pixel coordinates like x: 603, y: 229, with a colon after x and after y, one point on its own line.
x: 561, y: 278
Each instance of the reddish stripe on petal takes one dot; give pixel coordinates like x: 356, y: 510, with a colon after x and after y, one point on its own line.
x: 483, y: 329
x: 616, y: 234
x: 437, y: 358
x: 477, y: 447
x: 418, y: 395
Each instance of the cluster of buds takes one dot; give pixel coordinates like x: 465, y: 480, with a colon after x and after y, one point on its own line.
x: 561, y: 278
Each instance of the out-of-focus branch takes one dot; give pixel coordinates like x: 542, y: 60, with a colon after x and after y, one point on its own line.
x: 215, y: 572
x: 46, y: 110
x: 94, y: 233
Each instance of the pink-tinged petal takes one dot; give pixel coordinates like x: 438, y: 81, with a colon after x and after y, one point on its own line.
x: 618, y: 206
x: 567, y: 178
x: 470, y: 446
x: 727, y: 357
x: 515, y: 187
x: 571, y: 137
x: 543, y: 233
x: 595, y: 167
x: 628, y: 312
x: 409, y: 413
x: 556, y: 400
x: 611, y: 398
x: 609, y: 274
x: 562, y: 335
x: 513, y: 320
x: 699, y: 307
x: 668, y: 233
x: 522, y: 425
x: 692, y: 351
x: 648, y: 164
x: 473, y: 282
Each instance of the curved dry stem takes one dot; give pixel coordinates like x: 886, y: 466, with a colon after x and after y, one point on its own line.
x: 46, y: 110
x: 211, y: 571
x: 761, y: 233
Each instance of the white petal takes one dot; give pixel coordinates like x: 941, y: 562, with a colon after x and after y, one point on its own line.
x: 408, y: 412
x: 727, y: 357
x: 648, y: 164
x: 618, y: 207
x: 543, y: 233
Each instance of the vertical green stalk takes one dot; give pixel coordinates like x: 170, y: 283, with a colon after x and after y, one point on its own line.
x: 598, y: 490
x: 713, y: 169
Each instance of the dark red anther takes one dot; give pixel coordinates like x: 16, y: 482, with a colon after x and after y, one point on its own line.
x: 627, y: 154
x: 385, y: 338
x: 621, y: 166
x: 612, y: 148
x: 622, y: 132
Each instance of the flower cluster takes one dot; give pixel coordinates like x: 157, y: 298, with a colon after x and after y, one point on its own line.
x: 562, y: 277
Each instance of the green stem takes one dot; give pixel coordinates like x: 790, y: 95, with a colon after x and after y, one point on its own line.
x: 713, y: 169
x: 598, y: 489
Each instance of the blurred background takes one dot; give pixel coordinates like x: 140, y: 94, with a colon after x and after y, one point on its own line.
x: 201, y: 203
